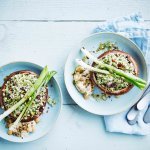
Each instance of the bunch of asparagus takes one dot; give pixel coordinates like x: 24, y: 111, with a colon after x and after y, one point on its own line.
x: 108, y: 69
x: 43, y: 79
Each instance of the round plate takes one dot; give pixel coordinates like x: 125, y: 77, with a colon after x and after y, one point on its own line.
x: 113, y: 105
x: 48, y: 118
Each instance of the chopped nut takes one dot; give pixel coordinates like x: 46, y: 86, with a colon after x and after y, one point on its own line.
x: 79, y: 69
x: 9, y: 121
x: 29, y: 129
x: 86, y: 96
x: 33, y: 128
x: 37, y: 120
x: 10, y: 132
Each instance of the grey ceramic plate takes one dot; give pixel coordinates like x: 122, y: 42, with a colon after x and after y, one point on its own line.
x: 112, y: 105
x: 48, y: 118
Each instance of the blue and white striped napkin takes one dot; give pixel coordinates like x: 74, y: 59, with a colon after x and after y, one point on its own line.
x: 137, y: 30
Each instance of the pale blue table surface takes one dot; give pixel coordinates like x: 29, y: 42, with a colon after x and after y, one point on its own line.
x: 44, y: 32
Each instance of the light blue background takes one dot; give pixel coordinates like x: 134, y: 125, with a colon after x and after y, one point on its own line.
x: 44, y: 32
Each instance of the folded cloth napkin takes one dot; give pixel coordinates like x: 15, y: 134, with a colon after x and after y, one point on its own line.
x: 135, y: 28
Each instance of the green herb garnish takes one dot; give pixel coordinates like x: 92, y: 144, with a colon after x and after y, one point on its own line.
x: 100, y: 97
x: 51, y: 102
x: 107, y: 46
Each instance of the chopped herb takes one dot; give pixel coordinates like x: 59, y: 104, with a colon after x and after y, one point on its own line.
x: 117, y: 96
x: 51, y: 102
x: 74, y: 82
x: 85, y: 59
x: 107, y: 46
x: 99, y: 97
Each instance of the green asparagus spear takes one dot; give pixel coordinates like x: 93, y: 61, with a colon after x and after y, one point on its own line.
x: 28, y: 94
x: 111, y: 69
x: 28, y: 105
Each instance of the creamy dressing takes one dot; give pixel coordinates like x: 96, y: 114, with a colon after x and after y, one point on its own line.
x: 81, y: 79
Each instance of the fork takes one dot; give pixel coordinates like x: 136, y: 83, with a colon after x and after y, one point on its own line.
x: 140, y: 105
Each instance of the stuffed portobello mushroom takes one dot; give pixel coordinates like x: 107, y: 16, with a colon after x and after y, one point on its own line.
x: 23, y: 97
x: 15, y: 87
x: 113, y: 84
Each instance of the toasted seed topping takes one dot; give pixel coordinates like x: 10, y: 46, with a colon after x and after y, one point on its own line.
x: 15, y: 89
x: 115, y: 82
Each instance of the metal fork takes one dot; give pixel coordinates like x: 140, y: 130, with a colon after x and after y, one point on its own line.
x: 140, y: 105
